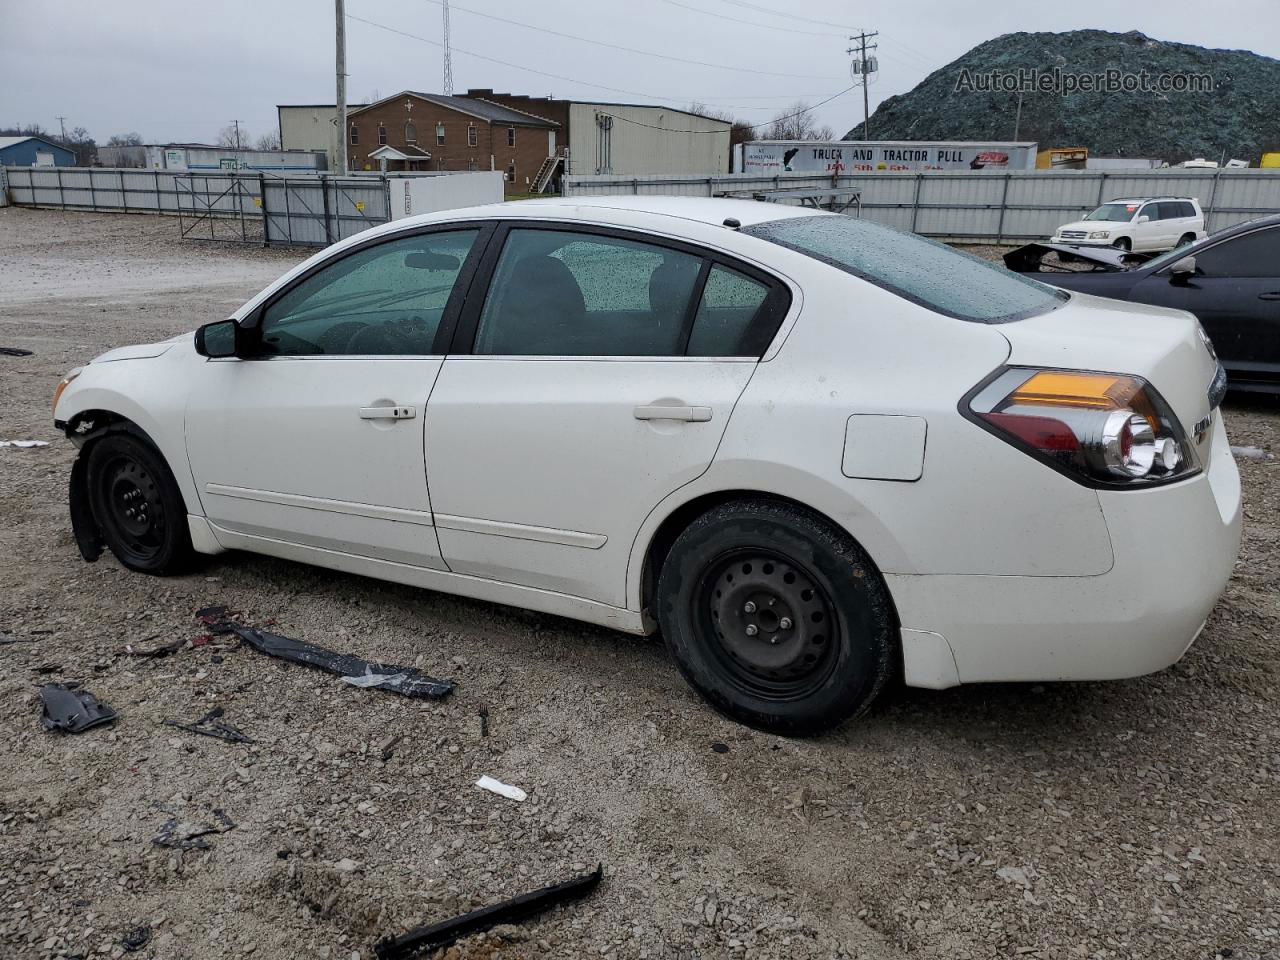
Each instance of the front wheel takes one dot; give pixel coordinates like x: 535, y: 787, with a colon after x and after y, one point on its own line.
x: 1123, y: 243
x: 137, y: 505
x: 776, y: 617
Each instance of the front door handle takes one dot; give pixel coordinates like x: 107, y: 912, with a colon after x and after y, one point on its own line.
x: 388, y: 413
x: 1271, y: 295
x: 662, y: 411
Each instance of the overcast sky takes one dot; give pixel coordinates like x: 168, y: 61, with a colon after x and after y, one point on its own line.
x: 181, y: 71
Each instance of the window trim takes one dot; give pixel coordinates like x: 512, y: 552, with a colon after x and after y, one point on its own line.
x: 354, y: 135
x: 511, y: 136
x: 774, y: 311
x: 382, y: 135
x: 409, y: 125
x: 473, y: 135
x: 252, y: 322
x: 440, y: 131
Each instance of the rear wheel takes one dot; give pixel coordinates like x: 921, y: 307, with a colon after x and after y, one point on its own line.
x: 777, y: 618
x: 137, y: 505
x: 1123, y: 243
x: 1186, y: 238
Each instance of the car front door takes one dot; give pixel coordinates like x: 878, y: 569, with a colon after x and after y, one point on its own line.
x: 1235, y: 292
x: 595, y: 376
x: 317, y: 438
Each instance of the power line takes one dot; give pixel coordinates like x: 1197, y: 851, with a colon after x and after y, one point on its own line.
x: 643, y: 53
x: 516, y: 66
x: 788, y: 16
x: 749, y: 23
x: 754, y: 126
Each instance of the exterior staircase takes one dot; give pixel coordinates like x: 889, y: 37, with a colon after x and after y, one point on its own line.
x: 546, y: 173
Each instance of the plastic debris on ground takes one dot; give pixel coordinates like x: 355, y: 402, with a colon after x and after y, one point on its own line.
x: 211, y: 725
x: 14, y: 352
x: 407, y: 681
x: 190, y: 836
x: 1252, y: 453
x: 24, y: 443
x: 501, y: 789
x: 438, y: 935
x: 72, y: 710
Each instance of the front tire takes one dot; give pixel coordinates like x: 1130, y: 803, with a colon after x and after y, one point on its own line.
x: 776, y: 617
x: 137, y: 505
x: 1123, y: 243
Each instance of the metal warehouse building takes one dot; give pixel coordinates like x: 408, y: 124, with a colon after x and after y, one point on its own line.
x: 34, y: 152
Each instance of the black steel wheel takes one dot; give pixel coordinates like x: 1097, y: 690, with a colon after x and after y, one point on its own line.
x: 776, y: 617
x: 137, y: 505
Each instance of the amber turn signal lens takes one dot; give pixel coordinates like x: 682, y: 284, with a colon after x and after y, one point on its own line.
x: 1093, y: 391
x: 62, y: 385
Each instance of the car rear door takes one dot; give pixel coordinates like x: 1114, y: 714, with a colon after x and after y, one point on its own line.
x: 594, y: 373
x: 1235, y: 292
x: 317, y: 439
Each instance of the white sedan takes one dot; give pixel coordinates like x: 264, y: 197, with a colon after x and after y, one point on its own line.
x: 811, y: 450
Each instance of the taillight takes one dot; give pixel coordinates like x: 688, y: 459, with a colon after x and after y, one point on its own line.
x: 1101, y: 428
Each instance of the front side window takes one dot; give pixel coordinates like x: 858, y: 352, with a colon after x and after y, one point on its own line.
x: 560, y: 293
x: 917, y: 269
x: 1248, y: 255
x: 385, y: 300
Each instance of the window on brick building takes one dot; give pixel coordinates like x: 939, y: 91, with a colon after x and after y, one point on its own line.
x: 410, y: 132
x: 511, y: 136
x: 439, y: 134
x: 382, y: 135
x: 511, y: 173
x: 471, y: 135
x: 355, y: 134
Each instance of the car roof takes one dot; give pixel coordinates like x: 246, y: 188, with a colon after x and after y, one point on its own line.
x: 709, y: 210
x: 1144, y: 199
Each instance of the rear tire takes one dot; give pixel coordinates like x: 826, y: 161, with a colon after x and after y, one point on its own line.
x: 1123, y: 243
x: 1185, y: 239
x: 137, y: 505
x: 776, y: 617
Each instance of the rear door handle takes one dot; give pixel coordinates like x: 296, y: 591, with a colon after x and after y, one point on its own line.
x: 388, y: 413
x: 1272, y: 295
x: 662, y: 411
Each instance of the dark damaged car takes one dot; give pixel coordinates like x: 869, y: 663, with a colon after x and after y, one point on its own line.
x: 1230, y: 281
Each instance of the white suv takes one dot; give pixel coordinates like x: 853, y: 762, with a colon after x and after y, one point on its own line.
x: 1138, y: 224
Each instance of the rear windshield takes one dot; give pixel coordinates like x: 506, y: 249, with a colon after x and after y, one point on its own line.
x: 916, y: 269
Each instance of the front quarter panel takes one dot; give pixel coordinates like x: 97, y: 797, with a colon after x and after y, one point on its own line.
x: 151, y: 392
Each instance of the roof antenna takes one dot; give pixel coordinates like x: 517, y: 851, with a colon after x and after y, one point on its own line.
x: 733, y: 223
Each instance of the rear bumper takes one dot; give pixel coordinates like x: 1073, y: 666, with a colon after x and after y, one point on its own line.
x: 1174, y: 547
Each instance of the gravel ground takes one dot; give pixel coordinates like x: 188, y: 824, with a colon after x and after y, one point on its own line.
x: 1121, y: 820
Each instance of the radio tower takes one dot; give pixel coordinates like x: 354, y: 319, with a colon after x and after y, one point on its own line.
x: 448, y: 55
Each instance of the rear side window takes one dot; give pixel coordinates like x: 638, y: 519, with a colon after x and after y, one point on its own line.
x: 725, y: 325
x: 919, y: 270
x: 560, y: 293
x: 1188, y: 208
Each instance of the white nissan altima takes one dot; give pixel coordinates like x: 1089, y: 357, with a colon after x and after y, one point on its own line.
x: 811, y: 450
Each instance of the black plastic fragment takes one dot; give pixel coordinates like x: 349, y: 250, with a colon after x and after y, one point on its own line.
x: 14, y: 352
x: 136, y: 939
x: 72, y: 710
x: 189, y: 836
x: 408, y: 681
x: 210, y: 725
x: 84, y: 527
x: 519, y: 908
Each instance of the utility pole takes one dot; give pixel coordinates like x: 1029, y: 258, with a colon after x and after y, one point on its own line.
x: 448, y: 54
x: 341, y: 62
x: 863, y: 68
x: 62, y: 122
x: 1017, y: 120
x: 236, y: 148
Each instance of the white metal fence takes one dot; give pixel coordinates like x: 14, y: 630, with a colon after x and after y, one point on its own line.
x: 256, y: 207
x: 980, y: 205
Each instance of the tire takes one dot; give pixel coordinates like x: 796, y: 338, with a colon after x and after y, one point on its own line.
x: 1123, y: 243
x: 1185, y: 239
x: 826, y: 633
x: 137, y: 505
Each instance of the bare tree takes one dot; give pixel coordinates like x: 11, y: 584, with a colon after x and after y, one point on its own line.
x: 796, y: 122
x: 268, y: 141
x: 125, y: 140
x: 236, y: 137
x: 739, y: 131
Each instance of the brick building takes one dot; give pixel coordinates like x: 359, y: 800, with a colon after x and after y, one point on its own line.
x: 427, y: 131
